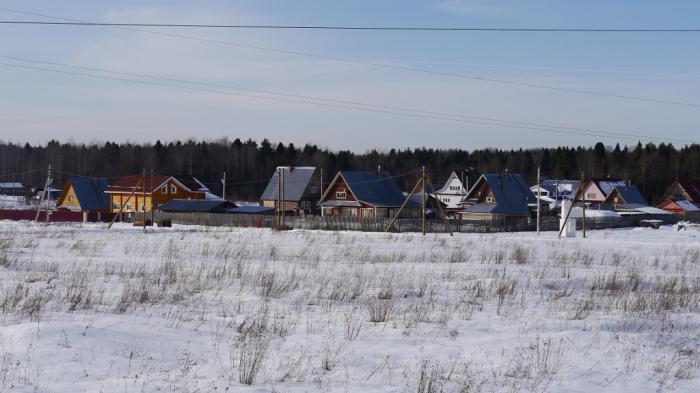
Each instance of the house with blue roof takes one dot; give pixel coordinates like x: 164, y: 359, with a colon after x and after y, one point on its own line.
x: 365, y: 194
x: 298, y: 189
x: 85, y: 194
x: 497, y: 196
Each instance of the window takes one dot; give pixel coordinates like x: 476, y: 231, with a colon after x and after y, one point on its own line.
x: 164, y: 189
x: 313, y: 189
x: 617, y: 200
x: 590, y: 195
x: 70, y: 198
x: 367, y: 212
x: 173, y: 189
x: 127, y: 207
x: 341, y: 194
x: 116, y: 206
x: 489, y: 199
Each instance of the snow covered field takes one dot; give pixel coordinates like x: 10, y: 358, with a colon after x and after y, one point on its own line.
x: 84, y: 309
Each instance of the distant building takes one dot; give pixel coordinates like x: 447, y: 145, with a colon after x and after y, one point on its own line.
x: 686, y: 189
x: 596, y: 190
x: 452, y: 192
x: 161, y: 190
x: 13, y: 188
x: 302, y: 189
x: 84, y: 194
x: 554, y: 191
x: 365, y: 194
x: 681, y: 208
x: 498, y: 196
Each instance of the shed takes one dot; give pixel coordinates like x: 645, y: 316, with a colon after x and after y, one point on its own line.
x: 252, y: 210
x: 196, y: 206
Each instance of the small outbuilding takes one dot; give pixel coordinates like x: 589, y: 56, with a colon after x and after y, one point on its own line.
x: 197, y: 206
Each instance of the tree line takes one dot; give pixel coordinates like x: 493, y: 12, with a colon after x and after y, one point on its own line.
x: 248, y: 164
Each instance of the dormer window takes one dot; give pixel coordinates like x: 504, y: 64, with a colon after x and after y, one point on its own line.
x: 173, y: 189
x: 164, y: 189
x: 341, y: 194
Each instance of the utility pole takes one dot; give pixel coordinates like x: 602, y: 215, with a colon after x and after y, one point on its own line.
x: 279, y: 199
x: 321, y: 178
x: 223, y: 187
x: 43, y: 195
x: 539, y: 202
x: 283, y: 197
x: 143, y: 196
x: 422, y: 180
x: 153, y: 211
x: 583, y: 198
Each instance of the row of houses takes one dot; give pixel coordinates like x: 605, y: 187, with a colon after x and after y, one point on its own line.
x: 372, y: 194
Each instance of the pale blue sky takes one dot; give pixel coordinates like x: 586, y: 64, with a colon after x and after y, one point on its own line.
x: 36, y: 106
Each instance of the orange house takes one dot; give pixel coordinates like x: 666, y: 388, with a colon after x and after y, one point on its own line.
x: 130, y: 194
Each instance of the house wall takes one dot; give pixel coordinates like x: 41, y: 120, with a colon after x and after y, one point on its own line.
x: 159, y: 197
x: 70, y: 200
x: 592, y: 193
x: 676, y: 192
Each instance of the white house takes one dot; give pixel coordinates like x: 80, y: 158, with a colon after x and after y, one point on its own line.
x: 452, y: 192
x: 553, y: 191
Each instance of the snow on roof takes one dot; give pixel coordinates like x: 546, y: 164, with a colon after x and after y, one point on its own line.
x: 577, y: 212
x: 687, y: 205
x: 651, y: 210
x: 607, y: 185
x: 11, y: 184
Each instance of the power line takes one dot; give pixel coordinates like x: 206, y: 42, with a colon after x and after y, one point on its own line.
x: 367, y: 107
x: 384, y: 65
x: 358, y: 28
x: 346, y: 102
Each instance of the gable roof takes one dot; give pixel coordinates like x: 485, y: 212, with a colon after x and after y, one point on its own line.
x: 681, y: 204
x: 90, y: 192
x: 378, y: 189
x: 296, y: 180
x: 510, y: 191
x: 196, y: 205
x: 692, y: 187
x: 129, y: 183
x: 442, y: 189
x: 565, y: 187
x: 606, y: 185
x: 630, y: 195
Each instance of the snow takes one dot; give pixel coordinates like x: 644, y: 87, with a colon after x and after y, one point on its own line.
x: 577, y: 212
x: 651, y: 210
x: 687, y: 205
x: 86, y: 309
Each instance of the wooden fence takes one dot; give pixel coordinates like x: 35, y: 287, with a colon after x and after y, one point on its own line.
x: 336, y: 223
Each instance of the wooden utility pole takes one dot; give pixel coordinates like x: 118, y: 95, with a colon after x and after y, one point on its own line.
x: 539, y: 202
x: 122, y: 203
x: 279, y: 199
x: 583, y: 204
x: 143, y: 196
x: 408, y: 198
x: 283, y: 197
x: 422, y: 181
x: 43, y: 195
x: 321, y: 178
x: 447, y: 222
x: 153, y: 211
